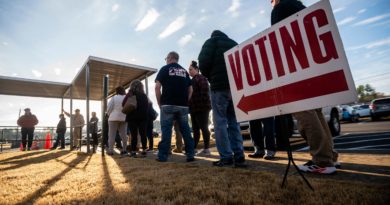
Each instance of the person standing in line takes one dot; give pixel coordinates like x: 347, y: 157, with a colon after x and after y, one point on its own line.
x: 78, y: 124
x: 263, y: 130
x: 27, y: 122
x: 93, y: 127
x: 137, y: 119
x: 312, y: 124
x: 227, y: 131
x: 61, y: 130
x: 200, y: 107
x: 117, y: 121
x: 176, y: 87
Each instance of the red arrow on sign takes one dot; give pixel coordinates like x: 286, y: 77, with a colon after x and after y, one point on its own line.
x: 329, y: 83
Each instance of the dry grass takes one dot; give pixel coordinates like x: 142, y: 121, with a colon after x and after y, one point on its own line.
x: 63, y: 177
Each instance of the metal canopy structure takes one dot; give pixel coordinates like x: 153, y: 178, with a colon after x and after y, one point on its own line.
x: 33, y: 88
x: 96, y: 80
x: 119, y: 74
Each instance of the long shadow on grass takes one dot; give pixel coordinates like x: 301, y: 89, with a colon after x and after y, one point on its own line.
x: 30, y: 199
x: 89, y: 160
x: 70, y: 163
x: 107, y: 187
x: 36, y: 160
x: 27, y: 154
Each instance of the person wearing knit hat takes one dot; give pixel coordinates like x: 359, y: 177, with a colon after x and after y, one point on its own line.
x: 27, y: 122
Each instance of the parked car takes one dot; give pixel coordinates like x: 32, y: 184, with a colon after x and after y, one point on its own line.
x: 380, y: 108
x: 362, y: 110
x: 67, y: 140
x: 84, y: 137
x: 332, y: 115
x: 349, y: 114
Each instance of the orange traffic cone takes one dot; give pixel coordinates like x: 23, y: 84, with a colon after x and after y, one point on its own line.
x: 48, y: 141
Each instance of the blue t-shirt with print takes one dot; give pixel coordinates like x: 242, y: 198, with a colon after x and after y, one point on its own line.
x: 175, y: 81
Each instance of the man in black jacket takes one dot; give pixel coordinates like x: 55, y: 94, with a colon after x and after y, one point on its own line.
x: 61, y: 129
x: 227, y: 131
x: 312, y: 124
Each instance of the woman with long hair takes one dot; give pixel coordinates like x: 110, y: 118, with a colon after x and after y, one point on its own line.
x: 137, y: 119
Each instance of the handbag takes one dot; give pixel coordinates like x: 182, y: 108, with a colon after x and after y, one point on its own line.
x: 130, y: 105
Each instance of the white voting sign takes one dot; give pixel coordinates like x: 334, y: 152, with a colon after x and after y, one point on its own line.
x: 297, y: 64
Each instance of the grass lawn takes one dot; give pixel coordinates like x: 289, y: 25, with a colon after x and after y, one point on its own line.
x: 64, y: 177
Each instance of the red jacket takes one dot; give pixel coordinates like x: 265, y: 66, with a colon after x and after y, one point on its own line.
x: 27, y: 121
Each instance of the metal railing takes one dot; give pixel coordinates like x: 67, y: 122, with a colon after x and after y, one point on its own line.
x: 11, y: 137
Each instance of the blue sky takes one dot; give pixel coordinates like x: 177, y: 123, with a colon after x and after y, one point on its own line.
x: 51, y: 39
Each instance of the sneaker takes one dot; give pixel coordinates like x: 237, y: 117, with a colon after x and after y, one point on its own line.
x: 270, y: 155
x: 143, y: 153
x: 53, y: 148
x: 312, y: 168
x: 223, y: 163
x: 110, y: 153
x: 24, y: 149
x: 149, y: 150
x: 256, y: 155
x: 336, y: 164
x: 204, y: 152
x: 190, y: 159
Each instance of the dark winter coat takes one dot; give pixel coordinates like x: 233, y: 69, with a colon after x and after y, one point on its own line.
x: 27, y: 121
x: 285, y: 9
x: 212, y: 61
x: 61, y: 126
x: 141, y: 113
x: 200, y: 99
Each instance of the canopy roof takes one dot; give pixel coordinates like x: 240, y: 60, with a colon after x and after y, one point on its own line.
x: 119, y: 74
x: 33, y: 88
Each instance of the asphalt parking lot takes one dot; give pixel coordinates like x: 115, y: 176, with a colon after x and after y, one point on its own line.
x: 364, y: 136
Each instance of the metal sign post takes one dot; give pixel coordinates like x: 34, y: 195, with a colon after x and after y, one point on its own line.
x: 104, y: 110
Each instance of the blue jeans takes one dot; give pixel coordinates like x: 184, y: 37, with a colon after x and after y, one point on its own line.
x: 169, y: 113
x: 227, y: 131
